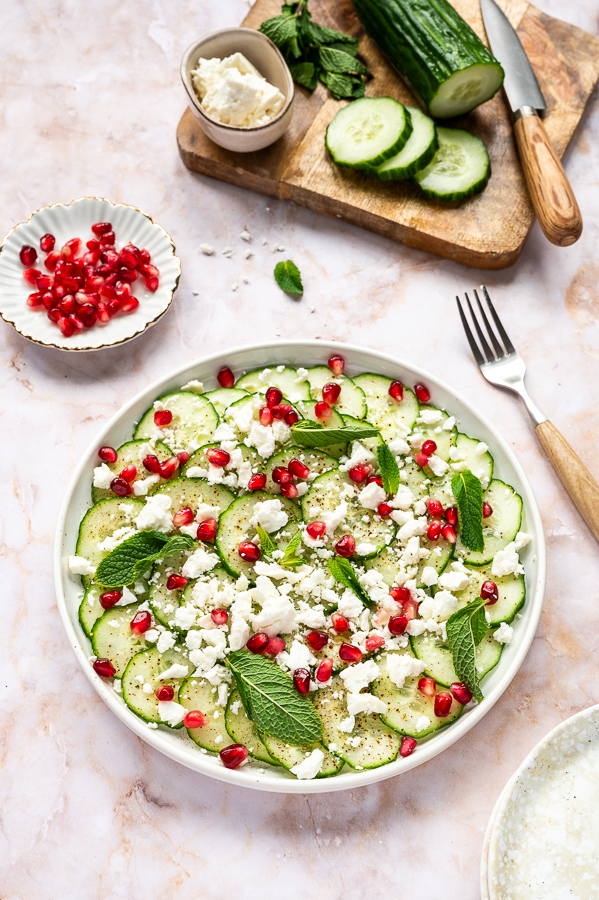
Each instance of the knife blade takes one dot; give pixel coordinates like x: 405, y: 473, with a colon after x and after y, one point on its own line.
x: 550, y: 191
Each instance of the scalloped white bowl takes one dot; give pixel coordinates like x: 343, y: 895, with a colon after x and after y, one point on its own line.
x: 307, y: 353
x: 131, y: 225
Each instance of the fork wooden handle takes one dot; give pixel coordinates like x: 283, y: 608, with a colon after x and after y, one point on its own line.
x: 573, y: 474
x: 550, y: 191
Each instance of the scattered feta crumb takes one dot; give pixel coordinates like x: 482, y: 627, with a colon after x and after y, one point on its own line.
x: 401, y: 666
x: 422, y: 724
x: 504, y: 633
x: 207, y: 249
x: 78, y: 565
x: 310, y: 766
x: 245, y: 236
x: 171, y: 712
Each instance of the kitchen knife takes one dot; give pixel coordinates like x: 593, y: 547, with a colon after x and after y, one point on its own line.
x: 550, y: 191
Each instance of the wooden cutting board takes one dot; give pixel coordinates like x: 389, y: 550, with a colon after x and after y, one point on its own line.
x: 487, y: 231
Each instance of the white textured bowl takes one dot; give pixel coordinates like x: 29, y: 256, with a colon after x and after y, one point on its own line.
x: 131, y: 225
x: 307, y: 353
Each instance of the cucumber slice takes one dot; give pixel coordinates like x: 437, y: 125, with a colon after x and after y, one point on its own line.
x: 368, y: 131
x: 351, y: 402
x: 197, y: 693
x: 292, y: 386
x: 511, y: 590
x: 199, y: 457
x: 224, y: 397
x: 234, y: 526
x: 371, y: 443
x: 243, y: 731
x: 387, y: 562
x: 101, y: 521
x: 193, y: 491
x: 306, y: 410
x: 440, y: 555
x: 435, y: 432
x: 317, y: 461
x: 91, y: 609
x: 415, y: 478
x: 500, y: 528
x: 165, y: 602
x: 377, y: 745
x: 113, y: 639
x: 194, y: 421
x: 439, y: 662
x: 480, y: 464
x: 129, y: 454
x: 383, y: 410
x: 144, y: 668
x: 365, y: 524
x: 459, y: 169
x: 289, y: 755
x: 418, y: 151
x: 466, y: 90
x: 406, y: 705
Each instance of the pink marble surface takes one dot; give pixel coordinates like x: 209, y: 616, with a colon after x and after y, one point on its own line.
x: 90, y: 100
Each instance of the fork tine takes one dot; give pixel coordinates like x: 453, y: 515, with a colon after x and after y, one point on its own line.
x: 486, y: 349
x: 506, y: 341
x: 499, y: 351
x: 473, y: 345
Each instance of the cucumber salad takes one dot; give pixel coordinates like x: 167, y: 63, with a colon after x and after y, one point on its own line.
x: 299, y: 568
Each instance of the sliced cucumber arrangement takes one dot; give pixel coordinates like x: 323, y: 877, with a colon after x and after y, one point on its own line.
x: 101, y: 522
x: 132, y: 454
x: 368, y: 131
x: 439, y: 663
x: 351, y: 402
x: 243, y: 731
x: 194, y: 421
x: 500, y: 528
x: 196, y: 693
x: 418, y: 151
x: 113, y: 639
x: 292, y: 386
x: 383, y: 411
x: 459, y: 169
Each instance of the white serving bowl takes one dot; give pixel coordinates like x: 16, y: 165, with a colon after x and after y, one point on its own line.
x: 306, y: 353
x: 263, y: 54
x: 131, y: 225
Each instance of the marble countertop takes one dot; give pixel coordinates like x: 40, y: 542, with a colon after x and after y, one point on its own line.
x: 90, y: 101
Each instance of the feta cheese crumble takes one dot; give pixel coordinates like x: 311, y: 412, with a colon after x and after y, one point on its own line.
x: 232, y: 91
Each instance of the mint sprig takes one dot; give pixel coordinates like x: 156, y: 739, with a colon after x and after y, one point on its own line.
x: 272, y: 702
x: 267, y: 545
x: 464, y: 632
x: 289, y: 558
x: 133, y: 557
x: 311, y: 434
x: 287, y: 276
x: 389, y: 468
x: 343, y: 572
x: 468, y: 492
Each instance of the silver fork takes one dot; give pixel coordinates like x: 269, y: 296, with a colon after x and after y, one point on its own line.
x: 505, y: 368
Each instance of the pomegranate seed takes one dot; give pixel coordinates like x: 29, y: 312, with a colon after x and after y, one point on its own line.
x: 346, y: 546
x: 184, y: 516
x: 273, y: 397
x: 396, y: 390
x: 129, y: 473
x: 487, y: 510
x: 257, y: 482
x: 68, y: 305
x: 249, y: 551
x: 54, y: 315
x: 43, y: 282
x: 28, y: 255
x: 374, y: 642
x: 207, y: 530
x: 233, y: 755
x: 176, y: 582
x: 225, y: 377
x: 76, y: 321
x: 93, y: 244
x: 258, y: 642
x: 47, y: 243
x: 103, y: 313
x: 183, y: 457
x: 73, y: 246
x: 316, y: 530
x: 49, y: 301
x: 51, y: 261
x: 443, y: 703
x: 120, y: 487
x: 265, y: 416
x: 127, y: 275
x: 66, y: 326
x: 218, y: 458
x: 301, y: 680
x: 451, y: 515
x: 149, y: 271
x: 322, y: 410
x: 195, y: 719
x: 128, y: 257
x: 398, y: 624
x: 376, y: 479
x: 317, y: 639
x: 489, y: 593
x: 360, y: 473
x: 108, y: 239
x: 448, y: 532
x: 422, y: 392
x: 169, y: 467
x: 291, y: 418
x: 281, y: 475
x: 219, y: 616
x: 34, y: 300
x: 141, y: 622
x: 32, y: 275
x: 104, y: 668
x: 280, y: 410
x: 427, y: 686
x: 400, y: 594
x: 130, y: 304
x: 337, y: 365
x: 110, y: 599
x: 152, y: 464
x: 349, y: 653
x: 101, y: 228
x: 144, y: 257
x: 324, y: 670
x: 275, y: 646
x: 165, y: 693
x: 428, y: 448
x: 290, y: 491
x: 434, y: 531
x: 434, y: 507
x: 152, y: 284
x: 331, y: 392
x: 298, y: 469
x: 88, y: 315
x: 384, y: 509
x: 163, y: 417
x: 340, y: 623
x: 421, y: 459
x: 461, y: 693
x: 410, y: 609
x: 408, y: 745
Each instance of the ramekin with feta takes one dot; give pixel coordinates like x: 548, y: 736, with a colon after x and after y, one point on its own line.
x: 233, y: 92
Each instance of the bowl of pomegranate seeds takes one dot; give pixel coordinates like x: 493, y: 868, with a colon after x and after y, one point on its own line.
x: 87, y: 275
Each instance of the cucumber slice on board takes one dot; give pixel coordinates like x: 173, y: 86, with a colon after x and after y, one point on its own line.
x: 100, y: 522
x: 368, y: 131
x: 317, y: 461
x: 500, y: 528
x: 289, y: 755
x: 224, y: 397
x: 377, y: 744
x: 459, y: 169
x: 406, y: 705
x: 194, y: 421
x: 366, y: 525
x: 197, y: 693
x: 383, y: 411
x: 480, y: 464
x: 113, y: 639
x: 193, y: 491
x: 288, y: 381
x: 243, y: 731
x: 129, y: 454
x: 351, y: 402
x: 91, y: 609
x: 439, y: 662
x: 418, y: 151
x: 147, y: 665
x: 511, y: 590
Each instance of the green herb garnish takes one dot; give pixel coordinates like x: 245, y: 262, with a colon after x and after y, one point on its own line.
x: 389, y: 469
x: 311, y: 434
x: 133, y: 557
x: 468, y: 493
x: 343, y: 572
x: 287, y: 276
x: 465, y: 630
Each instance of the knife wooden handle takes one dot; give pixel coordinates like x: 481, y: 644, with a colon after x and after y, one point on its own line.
x: 552, y: 197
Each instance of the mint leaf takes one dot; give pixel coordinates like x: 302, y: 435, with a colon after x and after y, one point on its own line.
x: 290, y: 558
x: 305, y: 73
x: 267, y: 545
x: 343, y: 572
x: 320, y: 34
x: 343, y: 87
x: 480, y: 626
x: 272, y: 702
x: 129, y: 560
x: 338, y: 61
x: 280, y: 29
x: 463, y: 629
x: 389, y: 469
x: 307, y: 435
x: 288, y: 277
x: 468, y: 492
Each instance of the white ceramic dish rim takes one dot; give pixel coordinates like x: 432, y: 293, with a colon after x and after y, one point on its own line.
x: 249, y: 776
x: 500, y: 808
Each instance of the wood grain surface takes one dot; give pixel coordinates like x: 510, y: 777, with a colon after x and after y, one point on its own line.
x: 487, y: 231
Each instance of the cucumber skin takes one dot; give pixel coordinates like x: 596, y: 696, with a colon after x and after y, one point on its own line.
x: 414, y: 167
x: 425, y: 45
x: 377, y: 160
